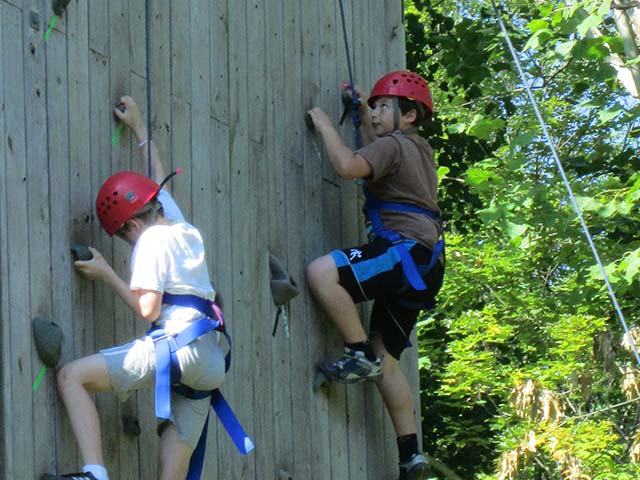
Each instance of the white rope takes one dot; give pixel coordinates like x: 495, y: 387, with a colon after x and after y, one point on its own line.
x: 554, y: 153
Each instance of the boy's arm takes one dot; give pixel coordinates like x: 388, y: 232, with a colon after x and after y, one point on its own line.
x: 347, y: 164
x: 132, y: 118
x: 145, y: 303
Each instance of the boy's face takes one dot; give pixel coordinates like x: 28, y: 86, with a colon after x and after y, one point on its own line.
x: 382, y: 117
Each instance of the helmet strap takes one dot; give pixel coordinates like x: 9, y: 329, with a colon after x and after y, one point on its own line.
x: 396, y: 113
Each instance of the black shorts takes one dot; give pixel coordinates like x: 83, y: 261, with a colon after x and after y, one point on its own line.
x: 374, y: 272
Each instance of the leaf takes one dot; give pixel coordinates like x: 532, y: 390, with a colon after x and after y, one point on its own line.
x: 588, y: 204
x: 514, y: 230
x: 483, y: 127
x: 564, y: 48
x: 606, y: 115
x: 524, y: 138
x: 592, y: 21
x: 443, y: 171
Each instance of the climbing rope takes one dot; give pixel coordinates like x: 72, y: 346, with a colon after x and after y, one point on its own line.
x: 355, y: 100
x: 147, y: 37
x: 556, y: 158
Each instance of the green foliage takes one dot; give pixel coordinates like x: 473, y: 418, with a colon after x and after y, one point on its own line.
x: 524, y: 300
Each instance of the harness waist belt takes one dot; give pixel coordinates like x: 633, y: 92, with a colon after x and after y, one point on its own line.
x: 372, y: 208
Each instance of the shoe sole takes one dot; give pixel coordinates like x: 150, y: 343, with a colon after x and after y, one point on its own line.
x: 420, y: 472
x: 354, y: 379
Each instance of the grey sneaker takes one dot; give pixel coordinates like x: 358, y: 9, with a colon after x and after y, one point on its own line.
x: 69, y: 476
x: 352, y: 367
x: 416, y: 468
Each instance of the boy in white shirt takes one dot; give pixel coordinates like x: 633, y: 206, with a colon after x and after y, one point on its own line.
x: 168, y: 260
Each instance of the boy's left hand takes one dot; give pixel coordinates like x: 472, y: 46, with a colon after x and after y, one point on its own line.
x: 319, y: 118
x: 95, y: 269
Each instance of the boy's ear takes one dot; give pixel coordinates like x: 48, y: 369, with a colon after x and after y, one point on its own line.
x: 412, y: 116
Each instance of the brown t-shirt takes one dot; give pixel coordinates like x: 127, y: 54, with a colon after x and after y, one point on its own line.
x: 404, y: 171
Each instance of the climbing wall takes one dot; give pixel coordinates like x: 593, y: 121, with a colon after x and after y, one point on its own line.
x: 230, y: 82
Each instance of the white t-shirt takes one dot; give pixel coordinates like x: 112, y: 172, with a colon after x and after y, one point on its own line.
x: 171, y: 258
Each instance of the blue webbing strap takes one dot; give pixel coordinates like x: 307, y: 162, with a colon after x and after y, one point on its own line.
x: 372, y: 208
x: 241, y: 440
x: 165, y: 355
x: 166, y: 374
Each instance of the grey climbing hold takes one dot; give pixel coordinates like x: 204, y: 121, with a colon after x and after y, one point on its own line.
x: 283, y: 287
x: 47, y: 336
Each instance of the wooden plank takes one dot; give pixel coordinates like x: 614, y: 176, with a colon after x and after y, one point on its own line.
x: 180, y: 13
x: 263, y: 425
x: 19, y: 418
x: 99, y: 27
x: 121, y: 158
x: 100, y: 129
x: 219, y: 20
x: 43, y: 208
x: 320, y: 416
x: 289, y: 119
x: 78, y: 330
x: 5, y: 340
x: 278, y: 234
x: 243, y: 227
x: 395, y: 39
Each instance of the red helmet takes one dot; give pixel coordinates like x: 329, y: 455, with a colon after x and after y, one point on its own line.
x: 121, y: 196
x: 403, y: 84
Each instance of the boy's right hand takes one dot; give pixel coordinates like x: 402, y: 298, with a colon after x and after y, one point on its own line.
x: 128, y: 113
x: 95, y: 269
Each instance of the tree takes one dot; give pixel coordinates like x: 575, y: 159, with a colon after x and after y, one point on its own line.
x: 524, y: 366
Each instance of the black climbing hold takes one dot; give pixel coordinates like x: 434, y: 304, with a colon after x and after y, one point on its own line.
x: 80, y: 252
x: 59, y: 6
x: 309, y: 121
x: 48, y: 339
x: 131, y: 425
x: 121, y: 107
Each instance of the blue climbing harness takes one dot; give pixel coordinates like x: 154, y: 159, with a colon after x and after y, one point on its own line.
x: 371, y: 209
x: 168, y: 375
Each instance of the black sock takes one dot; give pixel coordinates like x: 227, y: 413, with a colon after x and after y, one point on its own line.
x: 364, y: 347
x: 407, y: 446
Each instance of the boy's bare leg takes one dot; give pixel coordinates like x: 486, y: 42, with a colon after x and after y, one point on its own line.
x: 395, y: 392
x: 323, y: 279
x: 76, y: 380
x: 173, y: 461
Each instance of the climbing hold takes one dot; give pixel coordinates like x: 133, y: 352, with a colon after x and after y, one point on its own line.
x: 283, y: 287
x: 320, y: 379
x: 131, y: 425
x: 34, y: 19
x: 48, y: 339
x: 59, y: 6
x: 309, y: 121
x: 80, y: 252
x: 284, y: 475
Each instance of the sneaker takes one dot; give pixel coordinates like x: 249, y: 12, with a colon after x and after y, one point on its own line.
x: 416, y: 468
x: 352, y: 367
x: 69, y: 476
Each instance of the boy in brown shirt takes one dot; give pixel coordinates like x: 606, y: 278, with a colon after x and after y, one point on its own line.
x: 402, y: 266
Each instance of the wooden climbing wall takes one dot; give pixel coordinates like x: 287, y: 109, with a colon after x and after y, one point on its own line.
x: 231, y: 80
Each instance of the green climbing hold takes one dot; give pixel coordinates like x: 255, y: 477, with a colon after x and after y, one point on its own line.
x: 48, y: 339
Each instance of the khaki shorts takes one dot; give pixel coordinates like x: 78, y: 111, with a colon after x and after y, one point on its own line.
x: 133, y: 367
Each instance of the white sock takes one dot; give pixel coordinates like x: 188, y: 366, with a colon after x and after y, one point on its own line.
x: 98, y: 471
